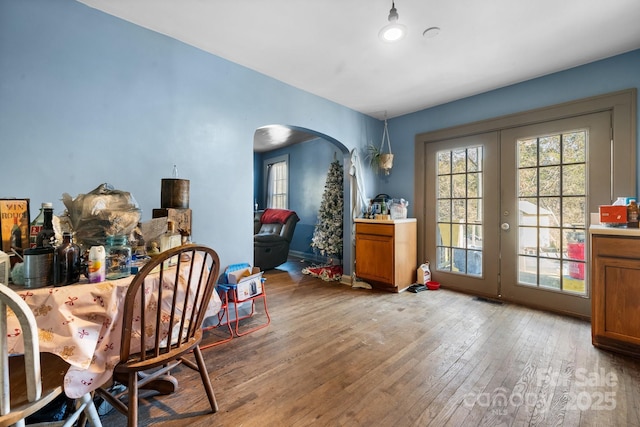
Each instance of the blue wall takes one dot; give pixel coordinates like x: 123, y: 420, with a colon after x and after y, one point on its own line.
x: 86, y: 98
x: 608, y: 75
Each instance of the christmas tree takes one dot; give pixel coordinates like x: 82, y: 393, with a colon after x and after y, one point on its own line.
x: 327, y: 237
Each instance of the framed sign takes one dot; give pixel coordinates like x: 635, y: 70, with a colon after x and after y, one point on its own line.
x: 14, y: 225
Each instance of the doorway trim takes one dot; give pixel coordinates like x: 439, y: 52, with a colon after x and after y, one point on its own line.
x: 621, y: 104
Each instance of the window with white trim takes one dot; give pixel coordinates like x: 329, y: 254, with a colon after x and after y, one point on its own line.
x: 278, y: 184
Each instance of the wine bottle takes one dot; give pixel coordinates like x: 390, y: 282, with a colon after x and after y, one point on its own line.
x: 16, y: 236
x: 46, y: 237
x: 36, y: 224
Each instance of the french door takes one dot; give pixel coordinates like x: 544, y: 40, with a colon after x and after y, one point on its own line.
x: 553, y: 175
x: 463, y: 185
x: 510, y: 210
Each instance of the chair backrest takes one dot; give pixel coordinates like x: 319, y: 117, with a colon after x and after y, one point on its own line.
x: 281, y: 222
x: 29, y: 332
x: 174, y: 299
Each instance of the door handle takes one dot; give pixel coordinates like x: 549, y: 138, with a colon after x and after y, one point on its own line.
x: 504, y: 226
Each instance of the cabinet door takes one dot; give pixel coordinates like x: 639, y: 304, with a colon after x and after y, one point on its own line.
x: 374, y: 257
x: 616, y: 298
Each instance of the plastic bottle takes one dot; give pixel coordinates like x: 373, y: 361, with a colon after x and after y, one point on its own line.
x: 96, y: 264
x: 424, y: 273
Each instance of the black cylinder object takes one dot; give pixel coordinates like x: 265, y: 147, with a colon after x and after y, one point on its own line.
x: 174, y: 193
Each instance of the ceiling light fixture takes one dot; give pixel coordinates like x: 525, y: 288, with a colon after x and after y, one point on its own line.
x: 392, y: 32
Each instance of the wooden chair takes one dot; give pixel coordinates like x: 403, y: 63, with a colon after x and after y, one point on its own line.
x: 171, y: 324
x: 26, y: 387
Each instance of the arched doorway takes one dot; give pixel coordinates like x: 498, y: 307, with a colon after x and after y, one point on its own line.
x: 277, y: 139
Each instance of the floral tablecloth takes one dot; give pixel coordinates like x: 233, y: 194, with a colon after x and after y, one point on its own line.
x: 81, y: 323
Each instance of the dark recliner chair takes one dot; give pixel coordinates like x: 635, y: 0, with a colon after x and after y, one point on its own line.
x: 273, y: 231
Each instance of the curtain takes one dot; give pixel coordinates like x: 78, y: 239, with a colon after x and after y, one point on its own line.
x: 277, y: 186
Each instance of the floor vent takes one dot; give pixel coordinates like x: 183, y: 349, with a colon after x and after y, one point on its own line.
x: 490, y: 301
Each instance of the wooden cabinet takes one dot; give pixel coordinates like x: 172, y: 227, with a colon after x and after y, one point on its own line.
x: 386, y: 254
x: 615, y: 285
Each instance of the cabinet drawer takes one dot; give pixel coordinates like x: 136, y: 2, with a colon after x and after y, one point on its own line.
x: 619, y: 246
x: 377, y: 229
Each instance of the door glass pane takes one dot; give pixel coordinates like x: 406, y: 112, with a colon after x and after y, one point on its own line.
x: 528, y: 182
x: 552, y: 219
x: 444, y: 162
x: 444, y: 211
x: 444, y: 258
x: 459, y: 216
x: 444, y: 185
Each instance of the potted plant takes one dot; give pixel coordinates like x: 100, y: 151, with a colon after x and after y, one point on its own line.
x: 379, y: 160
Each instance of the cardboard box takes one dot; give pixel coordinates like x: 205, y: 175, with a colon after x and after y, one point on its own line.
x: 616, y: 215
x: 248, y: 283
x: 181, y: 217
x: 14, y: 212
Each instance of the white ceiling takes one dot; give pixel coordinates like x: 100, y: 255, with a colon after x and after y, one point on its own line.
x: 330, y: 48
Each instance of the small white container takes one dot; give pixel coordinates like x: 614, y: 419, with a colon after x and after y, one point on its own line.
x: 424, y: 273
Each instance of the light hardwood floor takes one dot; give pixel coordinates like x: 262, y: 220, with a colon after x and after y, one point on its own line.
x: 337, y: 356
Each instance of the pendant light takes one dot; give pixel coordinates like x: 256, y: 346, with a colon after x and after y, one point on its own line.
x: 392, y: 32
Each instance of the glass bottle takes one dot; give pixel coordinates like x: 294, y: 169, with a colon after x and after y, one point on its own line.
x: 117, y: 257
x: 170, y: 239
x: 46, y: 237
x: 140, y: 250
x: 16, y: 236
x: 632, y: 214
x: 37, y: 223
x: 67, y: 261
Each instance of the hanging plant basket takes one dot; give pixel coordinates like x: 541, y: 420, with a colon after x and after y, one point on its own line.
x: 386, y: 162
x: 379, y: 160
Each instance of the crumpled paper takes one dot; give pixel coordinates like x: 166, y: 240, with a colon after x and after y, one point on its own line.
x: 102, y: 212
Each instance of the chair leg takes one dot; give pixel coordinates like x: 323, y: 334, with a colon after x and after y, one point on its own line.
x: 132, y: 404
x: 206, y: 381
x: 90, y: 410
x: 83, y: 407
